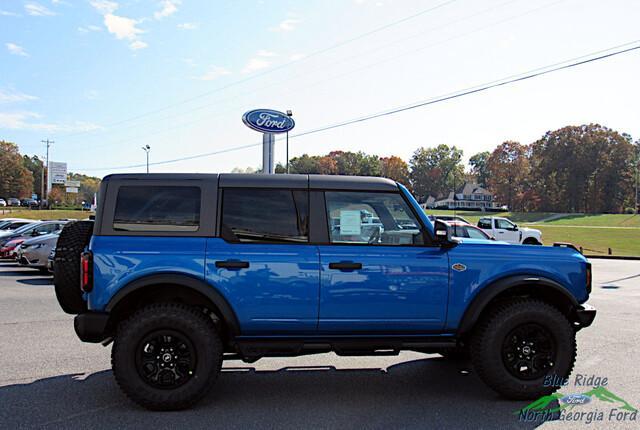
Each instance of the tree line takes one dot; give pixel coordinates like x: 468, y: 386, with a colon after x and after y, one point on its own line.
x: 587, y: 168
x: 21, y: 176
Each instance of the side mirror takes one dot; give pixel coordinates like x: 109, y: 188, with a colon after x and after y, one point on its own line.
x: 515, y: 227
x: 443, y: 234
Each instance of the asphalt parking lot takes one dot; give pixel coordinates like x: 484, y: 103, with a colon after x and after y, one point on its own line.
x: 49, y: 379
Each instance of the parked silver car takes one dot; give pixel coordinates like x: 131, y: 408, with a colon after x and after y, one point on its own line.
x: 35, y: 252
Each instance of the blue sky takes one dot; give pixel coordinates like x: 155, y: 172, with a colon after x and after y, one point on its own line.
x: 103, y: 78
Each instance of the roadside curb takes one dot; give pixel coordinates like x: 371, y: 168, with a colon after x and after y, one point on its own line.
x: 613, y: 257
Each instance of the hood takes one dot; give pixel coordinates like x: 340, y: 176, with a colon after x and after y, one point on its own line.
x: 531, y: 230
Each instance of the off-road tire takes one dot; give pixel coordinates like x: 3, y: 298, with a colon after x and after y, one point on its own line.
x: 191, y: 323
x: 492, y: 330
x: 73, y: 239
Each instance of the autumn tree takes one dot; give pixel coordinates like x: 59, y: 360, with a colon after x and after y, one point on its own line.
x: 587, y: 168
x: 436, y: 171
x: 478, y: 163
x: 395, y: 168
x: 35, y: 166
x: 508, y: 174
x: 15, y: 179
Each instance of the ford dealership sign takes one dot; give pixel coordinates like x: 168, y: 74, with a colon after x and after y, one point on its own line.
x: 268, y: 121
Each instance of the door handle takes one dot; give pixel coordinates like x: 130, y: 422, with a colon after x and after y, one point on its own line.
x: 232, y: 264
x: 345, y: 265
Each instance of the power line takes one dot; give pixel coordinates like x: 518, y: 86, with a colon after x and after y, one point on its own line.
x: 540, y: 71
x: 276, y: 68
x: 341, y: 75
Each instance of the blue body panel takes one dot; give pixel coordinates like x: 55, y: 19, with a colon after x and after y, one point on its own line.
x: 398, y: 288
x: 277, y: 294
x: 289, y: 289
x: 487, y: 262
x: 119, y: 260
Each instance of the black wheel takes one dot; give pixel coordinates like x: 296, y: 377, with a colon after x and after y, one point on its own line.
x: 520, y: 343
x: 43, y: 270
x: 73, y: 239
x: 166, y: 356
x: 531, y: 241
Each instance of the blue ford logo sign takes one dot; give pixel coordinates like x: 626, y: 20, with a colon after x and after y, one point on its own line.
x: 268, y: 121
x: 575, y: 399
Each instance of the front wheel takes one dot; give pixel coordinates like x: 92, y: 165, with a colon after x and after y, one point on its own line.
x: 166, y: 356
x: 519, y: 345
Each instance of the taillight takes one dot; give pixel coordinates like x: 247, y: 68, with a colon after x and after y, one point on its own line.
x: 86, y: 271
x: 589, y: 278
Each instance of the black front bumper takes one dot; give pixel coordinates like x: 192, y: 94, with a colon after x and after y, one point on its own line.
x: 91, y: 326
x: 584, y: 315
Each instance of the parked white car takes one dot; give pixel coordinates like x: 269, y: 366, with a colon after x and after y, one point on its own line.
x: 505, y: 230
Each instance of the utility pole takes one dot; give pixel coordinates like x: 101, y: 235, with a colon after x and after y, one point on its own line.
x: 46, y: 190
x: 146, y: 149
x: 290, y: 114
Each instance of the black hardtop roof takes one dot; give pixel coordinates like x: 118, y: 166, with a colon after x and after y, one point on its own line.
x: 253, y: 180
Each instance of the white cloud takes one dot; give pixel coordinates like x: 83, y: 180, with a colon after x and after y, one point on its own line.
x: 137, y: 44
x: 254, y: 64
x: 16, y: 49
x: 169, y: 7
x: 288, y: 24
x: 12, y: 96
x: 24, y: 121
x: 36, y: 9
x: 104, y: 6
x: 189, y: 26
x: 265, y: 53
x: 92, y: 95
x: 7, y: 13
x: 88, y: 28
x: 214, y: 72
x: 296, y: 57
x: 122, y: 27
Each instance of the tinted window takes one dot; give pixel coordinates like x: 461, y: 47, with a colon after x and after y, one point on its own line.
x: 371, y: 218
x: 157, y: 208
x: 484, y: 223
x: 263, y: 215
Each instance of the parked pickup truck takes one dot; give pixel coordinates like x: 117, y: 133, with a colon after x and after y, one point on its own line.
x: 182, y: 271
x: 506, y: 231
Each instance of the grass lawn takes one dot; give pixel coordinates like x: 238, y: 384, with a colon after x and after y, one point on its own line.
x: 589, y: 233
x: 43, y: 214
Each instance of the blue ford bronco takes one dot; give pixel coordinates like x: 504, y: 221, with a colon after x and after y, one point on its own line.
x: 183, y: 271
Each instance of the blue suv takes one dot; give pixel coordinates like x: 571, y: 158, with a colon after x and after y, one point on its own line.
x: 183, y: 271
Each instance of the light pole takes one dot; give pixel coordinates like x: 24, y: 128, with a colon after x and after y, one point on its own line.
x: 289, y: 114
x: 146, y: 149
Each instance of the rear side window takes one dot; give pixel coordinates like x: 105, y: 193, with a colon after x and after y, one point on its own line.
x: 265, y: 215
x: 484, y: 223
x: 157, y: 209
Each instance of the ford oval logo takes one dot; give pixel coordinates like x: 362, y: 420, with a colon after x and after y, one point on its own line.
x: 268, y: 121
x: 576, y: 399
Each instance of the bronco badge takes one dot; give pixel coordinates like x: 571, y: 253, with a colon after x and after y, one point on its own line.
x: 459, y: 267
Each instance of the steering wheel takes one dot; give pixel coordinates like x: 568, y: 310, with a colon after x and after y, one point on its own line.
x: 375, y: 236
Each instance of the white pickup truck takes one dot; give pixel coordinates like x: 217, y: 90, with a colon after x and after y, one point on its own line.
x: 506, y: 231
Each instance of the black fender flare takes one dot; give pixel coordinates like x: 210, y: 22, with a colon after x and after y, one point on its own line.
x: 200, y: 286
x: 489, y: 292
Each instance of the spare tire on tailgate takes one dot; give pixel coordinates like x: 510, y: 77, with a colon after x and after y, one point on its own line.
x: 73, y: 239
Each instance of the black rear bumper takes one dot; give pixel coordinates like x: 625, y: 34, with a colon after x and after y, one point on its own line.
x: 91, y: 326
x: 584, y: 315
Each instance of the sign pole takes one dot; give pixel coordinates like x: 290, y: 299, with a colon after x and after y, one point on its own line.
x: 268, y: 141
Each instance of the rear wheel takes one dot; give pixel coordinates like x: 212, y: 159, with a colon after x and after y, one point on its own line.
x: 73, y: 239
x: 519, y: 344
x: 166, y: 356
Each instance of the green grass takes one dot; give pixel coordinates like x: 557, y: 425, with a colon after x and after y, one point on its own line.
x: 603, y: 220
x: 43, y: 214
x: 588, y: 232
x: 595, y: 241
